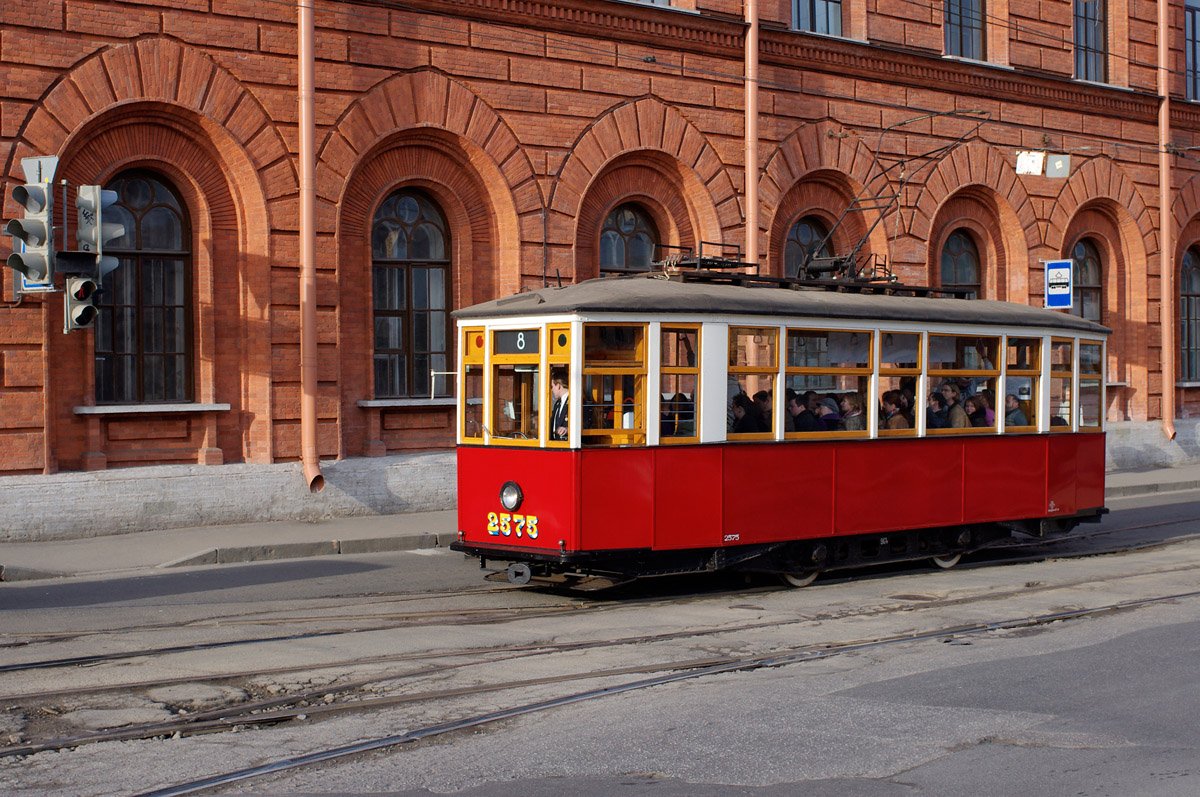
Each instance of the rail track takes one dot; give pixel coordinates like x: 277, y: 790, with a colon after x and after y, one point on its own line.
x: 675, y: 671
x: 347, y: 696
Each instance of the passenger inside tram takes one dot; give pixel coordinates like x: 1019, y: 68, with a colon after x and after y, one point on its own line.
x: 890, y: 411
x: 747, y: 418
x: 800, y: 417
x: 1013, y: 414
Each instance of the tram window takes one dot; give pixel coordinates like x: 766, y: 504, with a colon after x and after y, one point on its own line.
x: 678, y: 406
x: 679, y: 382
x: 1024, y: 370
x: 559, y: 404
x: 964, y: 368
x: 897, y: 405
x: 515, y: 402
x: 472, y: 401
x: 899, y: 370
x: 614, y: 374
x: 1091, y: 384
x: 473, y: 352
x: 834, y: 349
x: 829, y: 374
x: 1062, y: 399
x: 753, y: 365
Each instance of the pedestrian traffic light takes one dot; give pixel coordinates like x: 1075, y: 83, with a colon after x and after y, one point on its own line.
x: 79, y: 303
x: 92, y: 231
x: 35, y: 231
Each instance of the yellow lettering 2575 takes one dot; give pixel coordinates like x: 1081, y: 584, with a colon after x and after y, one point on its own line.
x: 502, y: 524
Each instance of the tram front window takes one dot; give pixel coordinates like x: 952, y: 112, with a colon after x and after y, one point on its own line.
x: 516, y: 405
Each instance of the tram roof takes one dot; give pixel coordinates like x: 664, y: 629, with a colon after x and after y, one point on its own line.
x: 645, y: 295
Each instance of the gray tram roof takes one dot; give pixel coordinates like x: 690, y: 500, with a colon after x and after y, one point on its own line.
x: 649, y: 296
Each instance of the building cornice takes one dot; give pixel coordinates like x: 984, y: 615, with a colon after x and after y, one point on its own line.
x: 662, y: 28
x: 928, y: 71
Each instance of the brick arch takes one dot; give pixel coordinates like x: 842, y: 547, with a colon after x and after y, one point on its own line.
x: 823, y: 193
x: 428, y: 100
x: 976, y: 181
x: 642, y: 148
x: 1004, y: 261
x: 166, y: 74
x: 814, y: 156
x: 433, y: 161
x: 1109, y: 225
x: 157, y: 104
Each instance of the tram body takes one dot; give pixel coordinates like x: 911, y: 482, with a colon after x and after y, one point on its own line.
x: 651, y: 477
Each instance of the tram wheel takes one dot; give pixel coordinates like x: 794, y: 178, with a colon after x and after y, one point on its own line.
x: 801, y: 578
x: 948, y: 561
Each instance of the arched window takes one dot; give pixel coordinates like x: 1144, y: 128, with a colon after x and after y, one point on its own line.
x: 143, y: 342
x: 627, y: 240
x: 805, y: 236
x: 410, y: 271
x: 1189, y: 316
x: 1086, y: 298
x: 960, y: 263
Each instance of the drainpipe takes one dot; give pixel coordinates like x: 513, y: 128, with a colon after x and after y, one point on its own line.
x: 308, y: 267
x: 1166, y: 259
x: 751, y: 158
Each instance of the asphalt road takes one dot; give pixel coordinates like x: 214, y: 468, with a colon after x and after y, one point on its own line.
x: 1103, y: 705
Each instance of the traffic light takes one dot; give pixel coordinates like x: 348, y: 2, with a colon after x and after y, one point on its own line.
x: 79, y: 303
x: 93, y: 232
x: 35, y: 231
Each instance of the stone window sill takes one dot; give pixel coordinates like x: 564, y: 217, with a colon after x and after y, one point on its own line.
x: 449, y: 401
x: 148, y: 409
x: 1187, y: 384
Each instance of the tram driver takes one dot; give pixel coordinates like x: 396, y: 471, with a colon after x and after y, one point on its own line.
x: 558, y: 413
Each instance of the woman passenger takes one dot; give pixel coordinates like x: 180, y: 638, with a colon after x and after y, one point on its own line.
x: 974, y: 409
x: 853, y: 417
x: 935, y: 415
x: 956, y: 416
x: 893, y: 418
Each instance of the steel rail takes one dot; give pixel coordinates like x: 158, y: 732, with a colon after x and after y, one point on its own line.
x: 785, y: 658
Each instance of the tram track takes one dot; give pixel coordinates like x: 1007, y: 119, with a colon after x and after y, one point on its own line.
x: 676, y: 672
x: 321, y: 702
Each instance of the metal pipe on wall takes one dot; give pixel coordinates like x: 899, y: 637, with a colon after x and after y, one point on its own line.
x: 308, y: 265
x: 1166, y: 257
x: 751, y: 154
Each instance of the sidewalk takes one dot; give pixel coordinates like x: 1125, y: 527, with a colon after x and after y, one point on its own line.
x: 250, y: 542
x: 209, y: 545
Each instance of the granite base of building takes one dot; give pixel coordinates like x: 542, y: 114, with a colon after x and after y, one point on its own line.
x: 75, y: 505
x: 1141, y: 445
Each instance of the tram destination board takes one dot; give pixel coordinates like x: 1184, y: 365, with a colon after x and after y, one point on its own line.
x: 516, y: 341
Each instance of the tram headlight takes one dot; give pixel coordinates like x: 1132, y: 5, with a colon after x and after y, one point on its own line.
x: 511, y: 496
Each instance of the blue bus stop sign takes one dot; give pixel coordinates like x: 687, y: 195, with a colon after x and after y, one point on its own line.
x: 1058, y: 284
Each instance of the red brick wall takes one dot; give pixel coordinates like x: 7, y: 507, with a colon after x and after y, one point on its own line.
x: 519, y: 118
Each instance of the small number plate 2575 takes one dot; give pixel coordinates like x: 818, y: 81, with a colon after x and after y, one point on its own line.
x: 502, y: 524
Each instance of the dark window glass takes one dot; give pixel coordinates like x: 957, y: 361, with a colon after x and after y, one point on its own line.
x: 628, y: 240
x: 143, y: 339
x: 806, y: 236
x: 964, y: 28
x: 1189, y: 316
x: 1091, y: 41
x: 819, y: 16
x: 1087, y: 294
x: 960, y: 263
x: 409, y: 246
x: 1191, y: 21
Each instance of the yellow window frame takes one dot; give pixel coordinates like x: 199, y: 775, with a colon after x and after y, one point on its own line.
x: 635, y: 368
x: 681, y: 370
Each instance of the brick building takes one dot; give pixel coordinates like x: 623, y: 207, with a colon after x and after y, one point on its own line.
x: 470, y: 148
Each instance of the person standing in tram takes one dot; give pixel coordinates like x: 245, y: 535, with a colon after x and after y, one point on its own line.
x: 828, y: 414
x: 853, y: 417
x: 1013, y: 415
x: 935, y: 416
x: 891, y: 403
x: 746, y: 416
x: 558, y: 414
x: 800, y: 418
x: 956, y: 416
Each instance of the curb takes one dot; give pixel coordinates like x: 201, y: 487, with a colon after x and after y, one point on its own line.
x: 1130, y: 490
x: 297, y: 550
x: 11, y: 573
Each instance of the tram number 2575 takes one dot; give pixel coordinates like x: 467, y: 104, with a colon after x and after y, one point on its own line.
x: 502, y: 524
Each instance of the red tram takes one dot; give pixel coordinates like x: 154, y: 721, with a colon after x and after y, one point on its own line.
x: 654, y: 424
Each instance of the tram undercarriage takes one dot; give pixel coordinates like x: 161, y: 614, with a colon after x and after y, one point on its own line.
x: 798, y: 562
